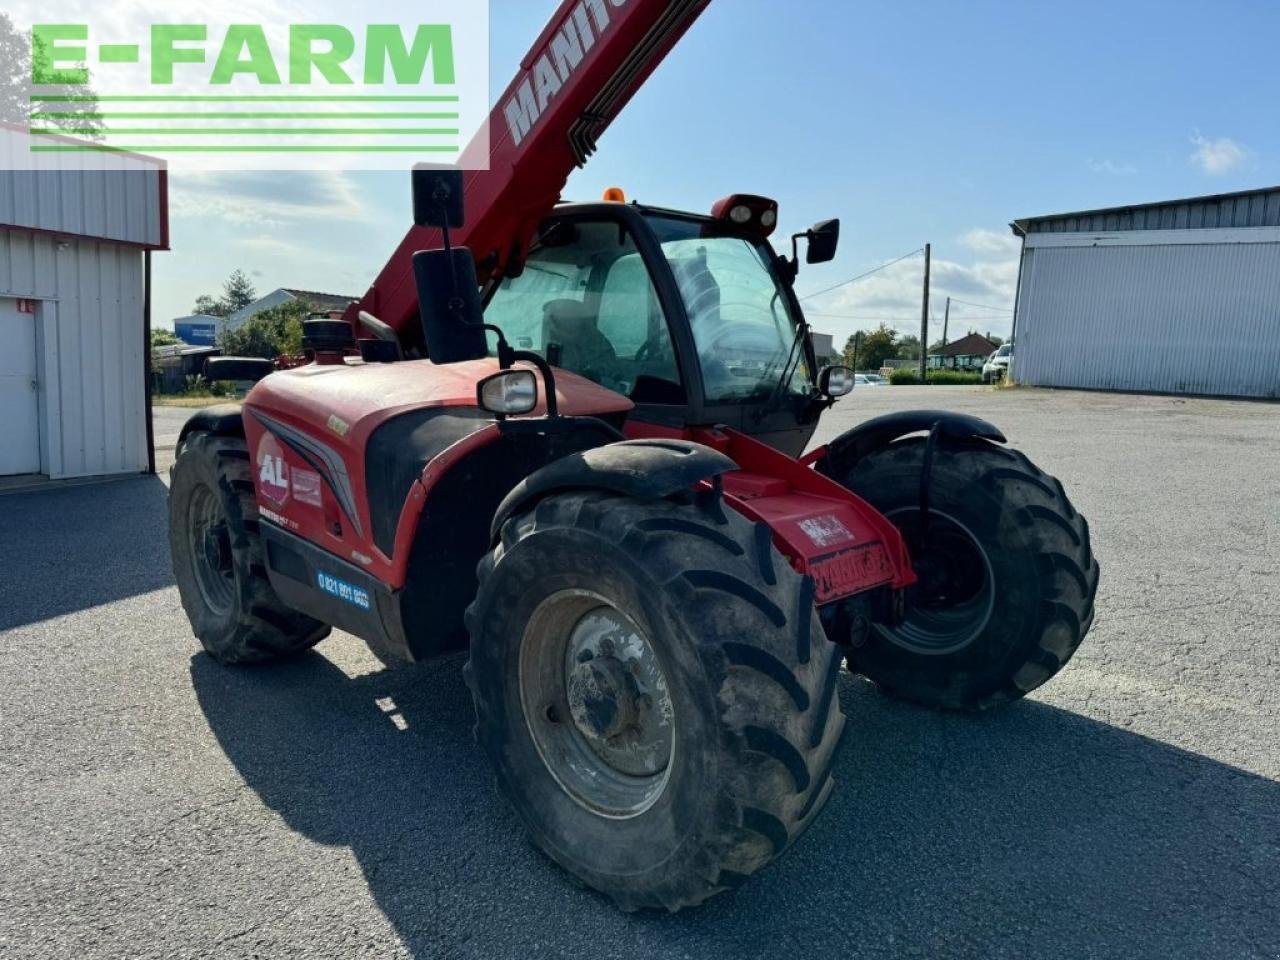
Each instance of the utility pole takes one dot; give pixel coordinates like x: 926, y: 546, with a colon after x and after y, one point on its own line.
x: 924, y: 318
x: 946, y: 319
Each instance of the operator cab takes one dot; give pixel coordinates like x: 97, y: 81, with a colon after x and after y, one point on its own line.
x: 691, y: 317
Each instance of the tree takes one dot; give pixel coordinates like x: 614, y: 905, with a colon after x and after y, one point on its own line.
x: 209, y: 307
x: 877, y: 346
x: 238, y: 291
x: 849, y: 355
x: 21, y: 58
x: 276, y: 331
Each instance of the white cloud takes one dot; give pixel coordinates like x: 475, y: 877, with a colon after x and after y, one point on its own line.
x: 1111, y: 168
x: 266, y: 199
x: 270, y: 243
x: 985, y: 282
x: 1219, y: 156
x: 985, y: 242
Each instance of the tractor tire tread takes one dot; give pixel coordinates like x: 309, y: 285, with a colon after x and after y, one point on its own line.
x: 780, y: 721
x: 263, y: 628
x: 1037, y: 504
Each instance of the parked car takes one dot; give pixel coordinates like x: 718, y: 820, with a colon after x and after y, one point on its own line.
x: 868, y: 380
x: 997, y: 364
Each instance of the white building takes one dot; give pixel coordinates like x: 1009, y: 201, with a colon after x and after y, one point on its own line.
x: 76, y: 238
x: 327, y: 303
x: 1174, y: 297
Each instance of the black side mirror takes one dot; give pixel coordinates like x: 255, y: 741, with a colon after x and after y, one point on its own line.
x: 835, y: 381
x: 437, y: 197
x: 824, y: 237
x: 449, y: 301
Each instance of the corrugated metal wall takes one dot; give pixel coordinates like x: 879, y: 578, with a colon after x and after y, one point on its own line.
x: 1256, y: 208
x: 1191, y: 318
x: 81, y: 193
x: 90, y: 325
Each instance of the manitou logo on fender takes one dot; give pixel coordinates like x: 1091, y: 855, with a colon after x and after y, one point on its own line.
x: 273, y: 472
x: 556, y: 63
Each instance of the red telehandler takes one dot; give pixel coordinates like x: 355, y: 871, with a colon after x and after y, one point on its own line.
x: 569, y: 441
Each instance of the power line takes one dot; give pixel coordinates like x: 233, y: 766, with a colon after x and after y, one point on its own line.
x: 985, y: 306
x: 843, y: 283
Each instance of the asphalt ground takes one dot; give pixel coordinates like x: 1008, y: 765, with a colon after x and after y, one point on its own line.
x: 155, y: 804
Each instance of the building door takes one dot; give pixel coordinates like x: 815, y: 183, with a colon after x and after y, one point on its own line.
x: 19, y: 389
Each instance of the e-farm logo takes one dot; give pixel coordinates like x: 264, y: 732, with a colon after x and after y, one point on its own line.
x: 267, y: 94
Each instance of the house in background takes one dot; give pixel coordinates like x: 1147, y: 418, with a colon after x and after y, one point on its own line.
x: 198, y: 330
x: 967, y: 353
x: 330, y: 304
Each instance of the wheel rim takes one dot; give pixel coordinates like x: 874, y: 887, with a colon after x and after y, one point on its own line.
x: 955, y: 597
x: 596, y: 703
x: 210, y: 545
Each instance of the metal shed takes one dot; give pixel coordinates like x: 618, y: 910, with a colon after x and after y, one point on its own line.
x: 76, y: 237
x: 1175, y: 297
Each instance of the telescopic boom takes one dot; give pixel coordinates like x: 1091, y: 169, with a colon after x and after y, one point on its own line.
x: 582, y: 70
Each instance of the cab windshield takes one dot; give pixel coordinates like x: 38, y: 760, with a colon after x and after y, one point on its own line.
x: 585, y: 301
x: 741, y: 318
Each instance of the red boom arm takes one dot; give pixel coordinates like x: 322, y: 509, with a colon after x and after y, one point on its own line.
x: 583, y: 69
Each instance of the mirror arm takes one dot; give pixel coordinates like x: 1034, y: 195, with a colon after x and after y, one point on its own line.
x: 793, y: 265
x: 548, y: 376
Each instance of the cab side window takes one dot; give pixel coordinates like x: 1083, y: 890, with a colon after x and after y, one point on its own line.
x: 586, y: 303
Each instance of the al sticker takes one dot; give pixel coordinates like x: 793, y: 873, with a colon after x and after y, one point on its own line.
x: 273, y: 472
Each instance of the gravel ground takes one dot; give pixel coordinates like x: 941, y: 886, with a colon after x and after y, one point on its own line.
x: 154, y: 804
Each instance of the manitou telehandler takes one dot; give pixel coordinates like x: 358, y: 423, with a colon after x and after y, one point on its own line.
x: 569, y: 440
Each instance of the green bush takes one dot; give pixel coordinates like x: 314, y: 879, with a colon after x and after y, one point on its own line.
x: 954, y: 377
x: 274, y: 332
x: 936, y: 377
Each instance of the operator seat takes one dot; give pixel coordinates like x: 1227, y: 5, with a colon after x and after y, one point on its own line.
x: 583, y: 348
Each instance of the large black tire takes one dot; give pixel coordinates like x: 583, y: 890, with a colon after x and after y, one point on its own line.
x: 750, y: 676
x: 218, y: 557
x: 1032, y: 550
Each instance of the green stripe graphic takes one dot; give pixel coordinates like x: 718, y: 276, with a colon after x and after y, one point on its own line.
x: 236, y: 148
x: 236, y: 98
x: 246, y: 131
x: 242, y: 115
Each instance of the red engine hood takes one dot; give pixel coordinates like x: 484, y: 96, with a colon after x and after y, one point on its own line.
x: 349, y: 400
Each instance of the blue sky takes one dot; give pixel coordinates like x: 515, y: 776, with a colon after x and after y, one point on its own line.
x: 912, y: 122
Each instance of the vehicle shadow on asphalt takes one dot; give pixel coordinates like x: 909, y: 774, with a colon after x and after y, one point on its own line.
x: 1030, y: 832
x: 67, y: 548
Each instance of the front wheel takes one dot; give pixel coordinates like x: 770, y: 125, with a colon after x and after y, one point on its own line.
x: 654, y: 691
x: 1007, y: 577
x: 218, y: 558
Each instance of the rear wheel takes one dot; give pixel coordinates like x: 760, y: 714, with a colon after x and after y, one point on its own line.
x: 218, y: 557
x: 654, y: 691
x: 1007, y: 577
